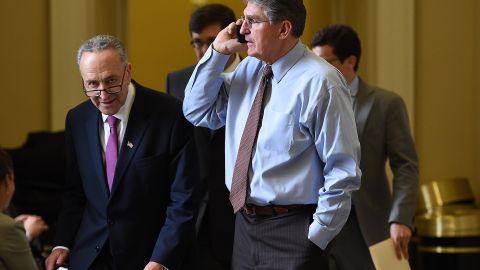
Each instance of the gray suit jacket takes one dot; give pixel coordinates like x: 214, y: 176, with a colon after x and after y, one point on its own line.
x: 384, y: 132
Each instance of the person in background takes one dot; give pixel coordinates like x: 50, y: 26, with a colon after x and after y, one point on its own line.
x: 205, y: 23
x: 292, y: 150
x: 215, y: 223
x: 15, y: 250
x: 384, y: 133
x: 131, y: 194
x: 34, y: 225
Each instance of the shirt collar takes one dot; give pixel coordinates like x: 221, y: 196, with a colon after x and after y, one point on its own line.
x: 124, y: 111
x: 286, y: 62
x: 353, y: 86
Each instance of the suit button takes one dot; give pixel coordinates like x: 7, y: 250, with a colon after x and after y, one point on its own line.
x: 97, y: 248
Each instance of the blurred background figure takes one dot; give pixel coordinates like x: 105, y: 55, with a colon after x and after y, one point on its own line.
x: 384, y: 133
x: 15, y: 251
x: 205, y: 23
x: 39, y: 166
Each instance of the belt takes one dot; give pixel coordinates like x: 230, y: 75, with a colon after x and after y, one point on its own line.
x: 273, y: 210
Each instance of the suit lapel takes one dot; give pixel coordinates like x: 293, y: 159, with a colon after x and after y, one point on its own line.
x: 91, y: 129
x: 136, y: 127
x: 363, y: 107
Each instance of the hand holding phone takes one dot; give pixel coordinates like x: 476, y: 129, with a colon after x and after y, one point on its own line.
x: 240, y: 37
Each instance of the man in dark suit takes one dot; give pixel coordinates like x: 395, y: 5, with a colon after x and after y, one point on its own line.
x: 131, y: 185
x: 384, y: 132
x: 205, y: 23
x: 215, y: 224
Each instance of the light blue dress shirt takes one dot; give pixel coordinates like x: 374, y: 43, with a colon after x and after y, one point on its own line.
x: 307, y: 149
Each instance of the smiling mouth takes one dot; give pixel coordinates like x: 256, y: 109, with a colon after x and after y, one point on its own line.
x: 107, y: 102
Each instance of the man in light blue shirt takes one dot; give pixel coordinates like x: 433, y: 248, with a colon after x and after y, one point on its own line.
x: 305, y: 159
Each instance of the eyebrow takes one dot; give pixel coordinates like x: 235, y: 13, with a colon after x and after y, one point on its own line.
x: 113, y: 76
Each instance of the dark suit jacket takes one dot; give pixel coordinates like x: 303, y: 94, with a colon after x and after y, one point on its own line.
x: 384, y: 132
x: 149, y: 215
x: 177, y: 82
x: 216, y: 220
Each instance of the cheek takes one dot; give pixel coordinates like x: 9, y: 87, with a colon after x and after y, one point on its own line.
x: 95, y: 101
x: 198, y: 53
x: 123, y: 97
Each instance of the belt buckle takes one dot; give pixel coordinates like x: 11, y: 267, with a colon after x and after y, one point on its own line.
x: 250, y: 210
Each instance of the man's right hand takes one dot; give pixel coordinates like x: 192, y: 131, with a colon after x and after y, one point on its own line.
x: 58, y: 257
x: 226, y: 41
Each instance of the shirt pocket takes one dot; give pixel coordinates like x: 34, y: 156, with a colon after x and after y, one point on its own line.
x: 276, y: 133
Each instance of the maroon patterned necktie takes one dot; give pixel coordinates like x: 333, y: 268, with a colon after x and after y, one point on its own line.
x: 238, y: 192
x: 111, y: 151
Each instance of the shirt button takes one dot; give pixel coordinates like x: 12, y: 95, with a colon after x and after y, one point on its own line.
x: 97, y: 248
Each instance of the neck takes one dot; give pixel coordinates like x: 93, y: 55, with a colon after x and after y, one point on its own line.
x: 350, y: 76
x: 285, y: 47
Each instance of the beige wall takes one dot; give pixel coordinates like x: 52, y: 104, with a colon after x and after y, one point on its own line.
x: 24, y: 98
x: 447, y: 94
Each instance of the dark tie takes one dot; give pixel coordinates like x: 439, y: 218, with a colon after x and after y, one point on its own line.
x: 238, y: 192
x: 111, y: 151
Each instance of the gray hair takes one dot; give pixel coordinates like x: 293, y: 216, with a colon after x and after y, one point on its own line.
x: 100, y: 43
x: 279, y: 10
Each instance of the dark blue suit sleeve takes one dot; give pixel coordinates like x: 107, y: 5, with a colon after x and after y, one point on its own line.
x: 177, y: 235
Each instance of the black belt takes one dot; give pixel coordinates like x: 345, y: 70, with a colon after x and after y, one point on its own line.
x: 273, y: 210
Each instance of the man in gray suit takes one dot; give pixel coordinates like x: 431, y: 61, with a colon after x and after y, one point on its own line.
x: 384, y: 132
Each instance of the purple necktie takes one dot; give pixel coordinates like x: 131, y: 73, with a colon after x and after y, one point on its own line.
x: 111, y: 152
x: 238, y: 192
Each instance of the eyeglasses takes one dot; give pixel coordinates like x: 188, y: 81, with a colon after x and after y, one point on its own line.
x: 249, y: 21
x: 111, y: 90
x: 198, y: 43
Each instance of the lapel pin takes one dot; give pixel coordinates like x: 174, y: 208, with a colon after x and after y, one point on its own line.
x: 129, y: 144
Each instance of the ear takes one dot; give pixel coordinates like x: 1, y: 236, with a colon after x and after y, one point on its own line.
x: 129, y: 70
x: 9, y: 180
x: 7, y: 183
x: 285, y: 29
x: 351, y: 61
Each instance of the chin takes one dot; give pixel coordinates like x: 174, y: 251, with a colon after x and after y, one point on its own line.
x: 252, y: 53
x: 108, y: 111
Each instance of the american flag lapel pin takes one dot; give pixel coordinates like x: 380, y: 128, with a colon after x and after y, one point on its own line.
x: 129, y: 144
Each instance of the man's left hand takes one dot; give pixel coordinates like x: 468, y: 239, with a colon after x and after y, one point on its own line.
x: 400, y: 235
x: 154, y: 266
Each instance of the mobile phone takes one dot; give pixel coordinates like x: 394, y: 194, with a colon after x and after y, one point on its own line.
x: 240, y: 37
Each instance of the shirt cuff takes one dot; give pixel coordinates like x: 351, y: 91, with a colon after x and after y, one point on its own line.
x: 60, y: 247
x: 319, y: 235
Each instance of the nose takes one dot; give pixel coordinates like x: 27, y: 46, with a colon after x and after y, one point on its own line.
x: 104, y: 94
x: 244, y: 29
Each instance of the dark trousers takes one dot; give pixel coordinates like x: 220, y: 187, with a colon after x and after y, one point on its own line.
x: 348, y: 250
x: 275, y: 242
